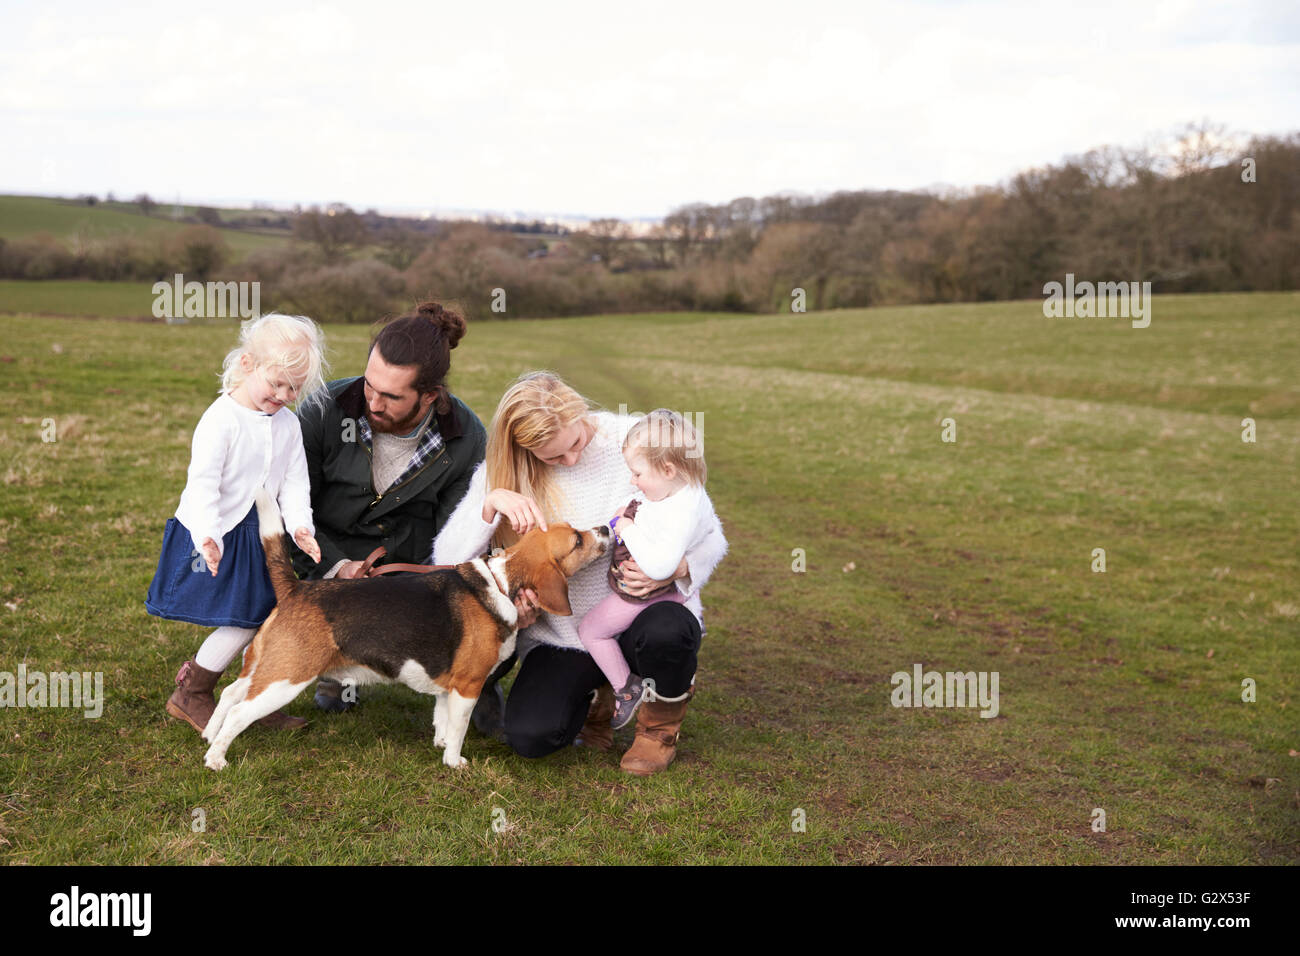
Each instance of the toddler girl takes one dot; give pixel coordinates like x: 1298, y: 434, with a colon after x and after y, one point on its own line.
x: 656, y: 529
x: 212, y: 570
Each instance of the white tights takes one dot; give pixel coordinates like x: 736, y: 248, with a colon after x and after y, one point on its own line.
x: 221, y: 647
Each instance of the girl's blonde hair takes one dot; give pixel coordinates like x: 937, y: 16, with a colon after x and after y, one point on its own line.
x: 531, y: 412
x: 664, y: 437
x: 290, y: 342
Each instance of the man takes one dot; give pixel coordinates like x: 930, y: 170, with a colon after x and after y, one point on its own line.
x: 390, y: 454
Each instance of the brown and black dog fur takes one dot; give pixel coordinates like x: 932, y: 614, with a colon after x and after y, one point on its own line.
x: 440, y: 633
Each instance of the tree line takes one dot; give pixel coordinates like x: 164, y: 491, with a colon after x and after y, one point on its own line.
x: 1190, y: 215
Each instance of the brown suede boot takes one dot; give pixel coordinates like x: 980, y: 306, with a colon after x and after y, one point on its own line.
x: 597, y: 731
x: 192, y: 701
x: 658, y: 725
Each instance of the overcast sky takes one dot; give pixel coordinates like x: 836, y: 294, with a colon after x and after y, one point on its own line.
x: 608, y: 108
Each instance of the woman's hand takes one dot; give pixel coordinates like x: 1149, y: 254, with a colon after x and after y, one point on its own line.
x: 636, y: 584
x: 521, y: 511
x: 526, y: 605
x: 302, y: 537
x: 211, y: 555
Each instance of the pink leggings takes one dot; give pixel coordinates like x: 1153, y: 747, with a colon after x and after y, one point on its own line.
x: 601, y: 626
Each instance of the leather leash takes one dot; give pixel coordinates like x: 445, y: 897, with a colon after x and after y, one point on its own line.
x: 368, y: 569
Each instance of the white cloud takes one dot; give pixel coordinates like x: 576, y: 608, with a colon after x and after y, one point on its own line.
x: 607, y: 109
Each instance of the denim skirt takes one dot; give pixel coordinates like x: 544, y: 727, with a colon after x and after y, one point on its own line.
x: 183, y: 589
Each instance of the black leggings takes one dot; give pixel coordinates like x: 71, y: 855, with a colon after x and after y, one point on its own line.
x: 548, y: 703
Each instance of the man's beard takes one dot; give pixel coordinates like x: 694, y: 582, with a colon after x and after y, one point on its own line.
x: 389, y: 427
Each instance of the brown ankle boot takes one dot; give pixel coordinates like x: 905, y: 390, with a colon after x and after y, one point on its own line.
x: 658, y: 725
x: 192, y: 701
x: 597, y: 731
x: 282, y: 721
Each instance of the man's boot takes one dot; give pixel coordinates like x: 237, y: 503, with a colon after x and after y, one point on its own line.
x: 192, y: 701
x: 329, y: 696
x: 658, y: 725
x: 597, y: 731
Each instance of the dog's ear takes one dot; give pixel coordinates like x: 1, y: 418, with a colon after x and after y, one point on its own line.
x: 553, y: 590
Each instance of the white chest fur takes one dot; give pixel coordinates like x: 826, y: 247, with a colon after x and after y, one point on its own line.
x: 493, y: 571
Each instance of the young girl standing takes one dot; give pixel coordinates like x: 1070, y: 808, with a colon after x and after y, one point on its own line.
x: 212, y: 570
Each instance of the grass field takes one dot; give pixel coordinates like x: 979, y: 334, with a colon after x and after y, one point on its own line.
x: 27, y: 215
x: 56, y: 297
x: 1119, y: 690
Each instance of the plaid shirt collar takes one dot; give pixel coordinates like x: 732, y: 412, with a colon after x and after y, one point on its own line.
x: 352, y: 403
x: 426, y: 449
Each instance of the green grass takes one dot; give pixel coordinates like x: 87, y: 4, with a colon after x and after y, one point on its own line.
x: 22, y: 216
x: 52, y: 297
x: 188, y: 211
x: 1119, y: 690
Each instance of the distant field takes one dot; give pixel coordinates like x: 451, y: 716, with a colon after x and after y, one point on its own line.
x: 181, y: 211
x: 27, y: 215
x: 1119, y: 691
x: 77, y: 297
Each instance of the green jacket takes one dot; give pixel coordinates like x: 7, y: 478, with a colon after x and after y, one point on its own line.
x: 351, y: 519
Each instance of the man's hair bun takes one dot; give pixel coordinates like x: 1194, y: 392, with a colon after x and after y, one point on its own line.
x: 452, y: 324
x: 424, y: 338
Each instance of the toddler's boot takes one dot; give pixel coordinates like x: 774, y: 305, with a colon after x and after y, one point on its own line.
x: 192, y: 701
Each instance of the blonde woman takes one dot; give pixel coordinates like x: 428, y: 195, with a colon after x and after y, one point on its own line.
x: 551, y: 456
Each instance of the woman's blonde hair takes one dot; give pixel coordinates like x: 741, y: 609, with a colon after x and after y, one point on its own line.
x: 290, y: 342
x: 531, y: 412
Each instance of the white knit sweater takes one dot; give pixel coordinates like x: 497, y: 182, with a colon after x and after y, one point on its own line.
x: 593, y: 490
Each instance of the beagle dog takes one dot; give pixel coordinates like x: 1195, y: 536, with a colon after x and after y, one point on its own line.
x: 440, y: 633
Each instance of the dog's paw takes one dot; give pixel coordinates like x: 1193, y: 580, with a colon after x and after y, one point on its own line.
x: 214, y: 761
x: 456, y: 764
x: 439, y: 739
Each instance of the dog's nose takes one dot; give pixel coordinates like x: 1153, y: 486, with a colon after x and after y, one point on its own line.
x: 603, y: 534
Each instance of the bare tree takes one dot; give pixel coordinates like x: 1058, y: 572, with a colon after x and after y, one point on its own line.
x: 659, y: 243
x: 688, y: 226
x: 603, y: 237
x: 336, y: 230
x: 401, y: 245
x: 1200, y: 146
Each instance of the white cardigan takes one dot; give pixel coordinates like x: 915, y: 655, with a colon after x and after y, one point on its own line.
x: 664, y: 530
x: 237, y: 450
x: 593, y: 490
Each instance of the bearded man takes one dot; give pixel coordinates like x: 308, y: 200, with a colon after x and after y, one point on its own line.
x: 390, y: 455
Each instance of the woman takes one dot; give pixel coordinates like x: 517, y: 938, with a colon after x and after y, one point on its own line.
x: 551, y: 457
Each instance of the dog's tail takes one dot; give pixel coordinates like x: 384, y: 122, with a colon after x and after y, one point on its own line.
x: 270, y: 526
